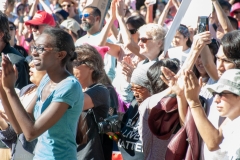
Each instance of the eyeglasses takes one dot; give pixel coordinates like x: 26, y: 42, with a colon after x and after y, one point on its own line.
x: 85, y: 15
x: 144, y: 40
x: 66, y: 5
x: 132, y: 31
x: 220, y: 94
x: 138, y: 89
x: 11, y: 28
x: 40, y: 49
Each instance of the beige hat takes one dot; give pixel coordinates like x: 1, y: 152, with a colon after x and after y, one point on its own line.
x: 229, y: 81
x: 72, y: 1
x: 71, y: 24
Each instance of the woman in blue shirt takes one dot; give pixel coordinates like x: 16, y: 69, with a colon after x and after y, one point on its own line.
x: 52, y: 115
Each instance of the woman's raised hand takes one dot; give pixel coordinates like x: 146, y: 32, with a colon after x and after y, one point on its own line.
x: 172, y: 80
x: 192, y: 86
x: 113, y: 9
x: 9, y: 73
x: 120, y: 12
x: 200, y: 40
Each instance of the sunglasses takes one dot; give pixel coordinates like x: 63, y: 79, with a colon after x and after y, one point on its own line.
x: 11, y: 28
x: 85, y: 15
x: 144, y: 40
x: 77, y: 63
x: 66, y: 5
x: 220, y: 94
x: 132, y: 31
x: 34, y: 27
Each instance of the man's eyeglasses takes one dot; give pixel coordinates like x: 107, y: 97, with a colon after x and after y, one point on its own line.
x: 220, y: 94
x: 132, y: 31
x: 11, y: 28
x: 144, y: 40
x: 85, y: 15
x: 40, y: 49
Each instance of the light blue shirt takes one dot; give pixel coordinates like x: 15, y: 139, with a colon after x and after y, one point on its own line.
x: 109, y: 61
x: 59, y: 141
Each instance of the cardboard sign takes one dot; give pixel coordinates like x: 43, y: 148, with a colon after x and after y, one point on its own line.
x: 102, y: 5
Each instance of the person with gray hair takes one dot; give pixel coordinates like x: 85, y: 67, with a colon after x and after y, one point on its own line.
x: 151, y: 41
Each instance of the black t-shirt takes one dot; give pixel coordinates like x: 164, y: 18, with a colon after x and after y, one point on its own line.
x: 92, y: 150
x: 22, y: 66
x: 130, y: 143
x: 21, y: 50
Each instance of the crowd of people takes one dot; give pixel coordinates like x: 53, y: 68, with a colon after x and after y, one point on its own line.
x: 78, y: 83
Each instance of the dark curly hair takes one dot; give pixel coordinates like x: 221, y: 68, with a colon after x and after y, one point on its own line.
x: 4, y: 27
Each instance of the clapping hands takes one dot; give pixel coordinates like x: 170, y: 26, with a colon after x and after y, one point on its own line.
x: 9, y: 73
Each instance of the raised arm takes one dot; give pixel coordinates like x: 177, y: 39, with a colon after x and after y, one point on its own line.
x: 126, y: 36
x: 31, y: 129
x: 149, y: 15
x: 33, y: 8
x: 222, y: 17
x: 175, y: 82
x: 114, y: 49
x: 165, y: 13
x: 208, y: 63
x: 210, y: 135
x: 199, y: 42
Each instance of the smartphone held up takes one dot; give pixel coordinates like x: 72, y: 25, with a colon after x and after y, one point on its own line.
x: 202, y: 24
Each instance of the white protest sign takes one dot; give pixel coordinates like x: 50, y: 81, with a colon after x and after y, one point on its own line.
x: 175, y: 24
x: 195, y: 9
x: 187, y: 14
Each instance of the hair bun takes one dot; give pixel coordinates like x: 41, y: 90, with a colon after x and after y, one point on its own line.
x: 73, y: 56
